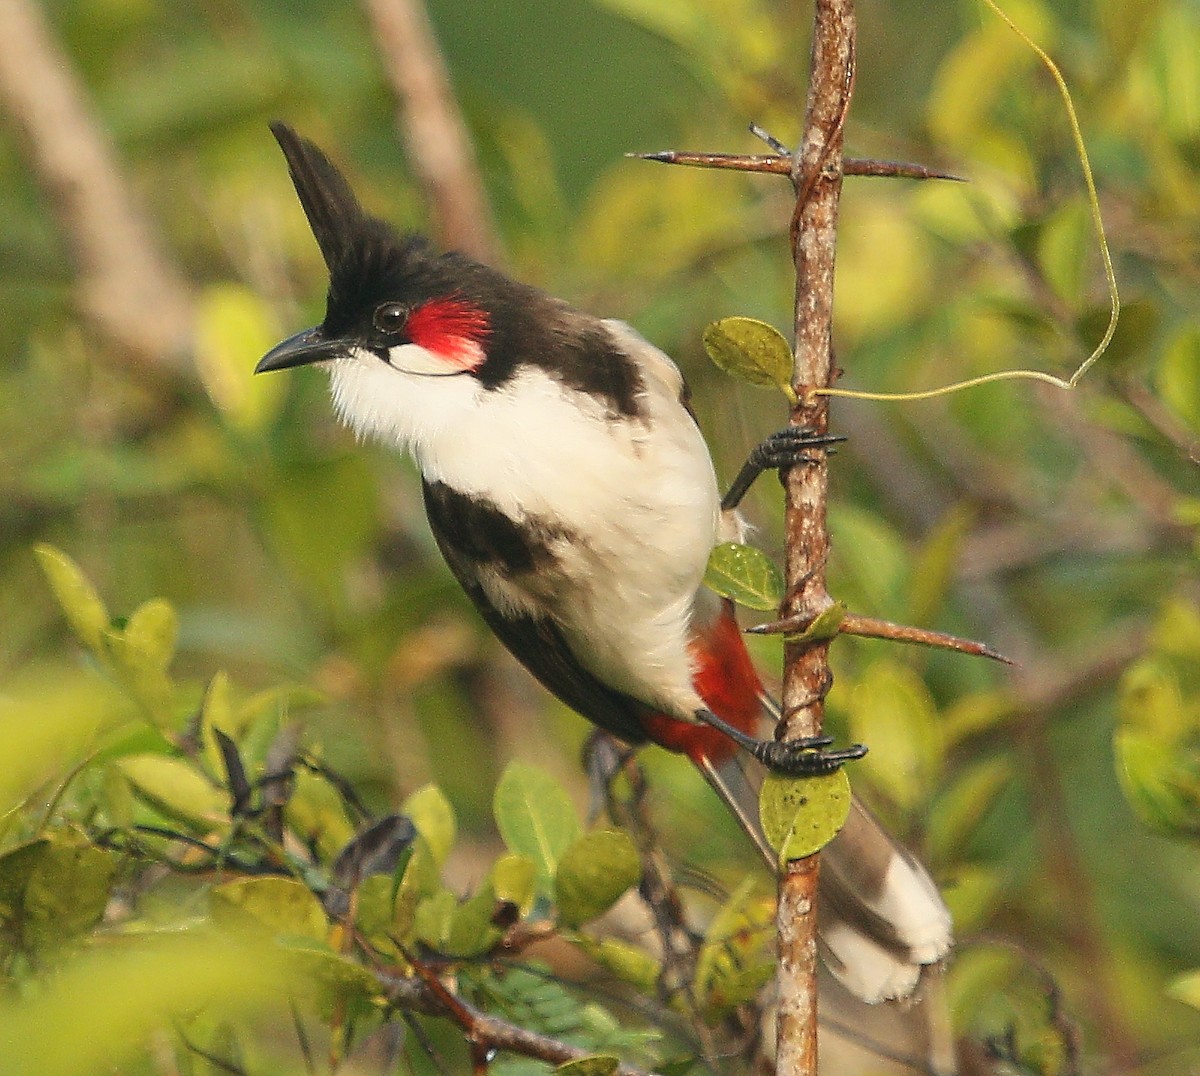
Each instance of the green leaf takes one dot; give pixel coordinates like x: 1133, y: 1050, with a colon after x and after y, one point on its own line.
x: 1063, y: 247
x: 76, y: 596
x: 67, y: 892
x: 47, y: 724
x: 1151, y: 701
x: 1177, y: 630
x: 593, y: 873
x: 746, y: 575
x: 117, y: 798
x: 96, y: 1013
x: 535, y: 817
x: 753, y: 351
x: 972, y: 894
x: 1178, y: 375
x: 680, y: 1066
x: 514, y: 878
x: 933, y: 572
x: 962, y: 806
x: 433, y: 816
x: 316, y: 814
x: 422, y: 876
x: 274, y: 905
x: 736, y: 958
x: 334, y: 978
x: 871, y: 562
x: 976, y: 714
x: 892, y: 713
x: 434, y: 917
x: 16, y: 868
x: 176, y: 788
x: 151, y: 632
x: 1161, y: 781
x: 216, y: 713
x: 825, y: 626
x: 627, y: 962
x: 234, y: 328
x: 800, y: 815
x: 142, y: 651
x: 471, y: 931
x: 280, y: 700
x: 383, y: 912
x: 54, y: 890
x: 593, y: 1065
x: 1186, y: 988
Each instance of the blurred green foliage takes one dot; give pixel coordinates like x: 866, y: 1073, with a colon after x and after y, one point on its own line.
x: 208, y: 842
x: 1057, y: 802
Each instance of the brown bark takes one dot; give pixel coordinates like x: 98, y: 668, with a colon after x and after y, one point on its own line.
x: 817, y: 176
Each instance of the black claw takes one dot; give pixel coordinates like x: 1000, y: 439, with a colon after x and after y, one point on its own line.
x: 784, y: 448
x: 805, y: 758
x: 788, y: 446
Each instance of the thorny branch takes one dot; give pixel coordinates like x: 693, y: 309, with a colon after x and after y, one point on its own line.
x: 817, y: 178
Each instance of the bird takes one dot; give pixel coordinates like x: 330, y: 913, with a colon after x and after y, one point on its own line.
x: 571, y: 492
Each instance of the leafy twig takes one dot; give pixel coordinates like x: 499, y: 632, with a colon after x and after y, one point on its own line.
x: 425, y: 993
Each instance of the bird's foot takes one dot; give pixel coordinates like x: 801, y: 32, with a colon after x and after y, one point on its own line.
x: 784, y: 448
x: 791, y: 445
x: 806, y: 757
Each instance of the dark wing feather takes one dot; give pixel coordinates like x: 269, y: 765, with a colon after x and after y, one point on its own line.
x: 333, y: 212
x: 536, y: 642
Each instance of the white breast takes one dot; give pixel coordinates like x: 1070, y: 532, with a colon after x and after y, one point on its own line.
x: 638, y: 495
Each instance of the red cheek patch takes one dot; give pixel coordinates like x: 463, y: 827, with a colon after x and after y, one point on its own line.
x: 452, y: 328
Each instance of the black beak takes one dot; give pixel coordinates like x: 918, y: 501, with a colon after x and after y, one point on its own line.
x: 299, y: 350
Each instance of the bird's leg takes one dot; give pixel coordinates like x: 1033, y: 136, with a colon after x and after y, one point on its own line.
x: 782, y: 449
x: 805, y: 757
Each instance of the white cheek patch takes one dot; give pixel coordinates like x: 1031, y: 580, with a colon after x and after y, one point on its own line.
x: 414, y: 359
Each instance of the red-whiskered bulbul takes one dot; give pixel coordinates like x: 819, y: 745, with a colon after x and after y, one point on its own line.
x: 570, y: 490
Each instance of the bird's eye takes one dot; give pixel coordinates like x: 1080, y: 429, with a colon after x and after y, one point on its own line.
x: 390, y: 317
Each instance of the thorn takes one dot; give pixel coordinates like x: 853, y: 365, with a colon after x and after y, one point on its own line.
x: 865, y: 166
x: 761, y: 162
x: 780, y: 163
x: 869, y: 627
x: 770, y: 140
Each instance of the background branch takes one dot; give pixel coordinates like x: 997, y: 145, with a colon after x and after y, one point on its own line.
x: 128, y: 287
x: 435, y: 136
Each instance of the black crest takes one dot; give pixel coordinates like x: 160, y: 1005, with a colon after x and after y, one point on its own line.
x: 369, y: 263
x: 334, y: 213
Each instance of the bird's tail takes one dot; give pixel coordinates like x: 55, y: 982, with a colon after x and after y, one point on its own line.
x: 882, y: 919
